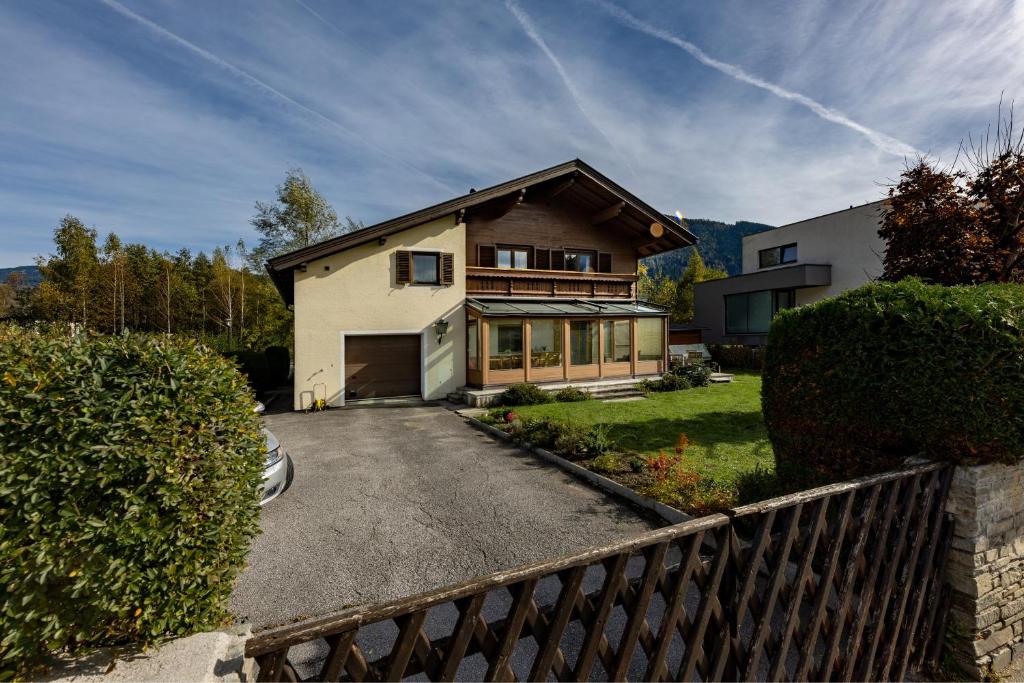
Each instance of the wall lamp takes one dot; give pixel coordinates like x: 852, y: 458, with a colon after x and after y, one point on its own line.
x: 440, y: 329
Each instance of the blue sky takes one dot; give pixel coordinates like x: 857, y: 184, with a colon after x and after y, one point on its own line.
x: 166, y: 121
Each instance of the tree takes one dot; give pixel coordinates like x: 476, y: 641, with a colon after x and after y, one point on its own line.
x: 300, y: 217
x: 69, y: 277
x: 696, y: 271
x: 960, y: 225
x: 659, y: 289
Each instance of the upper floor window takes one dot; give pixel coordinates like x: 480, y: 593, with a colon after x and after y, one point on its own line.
x: 752, y: 312
x: 580, y: 261
x: 426, y: 269
x: 513, y: 257
x: 777, y: 256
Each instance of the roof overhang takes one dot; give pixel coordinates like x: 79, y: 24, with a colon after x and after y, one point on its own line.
x: 608, y: 203
x: 562, y: 308
x: 786, y: 277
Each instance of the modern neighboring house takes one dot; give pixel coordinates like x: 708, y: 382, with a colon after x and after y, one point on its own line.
x: 792, y: 265
x: 532, y: 280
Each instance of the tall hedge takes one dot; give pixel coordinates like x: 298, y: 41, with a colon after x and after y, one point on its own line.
x: 854, y: 384
x: 129, y: 476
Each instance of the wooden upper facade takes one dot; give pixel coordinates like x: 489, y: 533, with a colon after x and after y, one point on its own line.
x: 564, y: 232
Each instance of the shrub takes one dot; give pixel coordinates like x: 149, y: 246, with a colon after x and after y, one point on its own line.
x: 606, y: 463
x: 278, y: 364
x: 695, y: 375
x: 128, y: 492
x: 523, y: 395
x: 571, y: 395
x: 854, y: 384
x: 737, y: 356
x: 669, y: 382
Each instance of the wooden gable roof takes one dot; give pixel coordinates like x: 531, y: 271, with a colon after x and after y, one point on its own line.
x: 609, y: 203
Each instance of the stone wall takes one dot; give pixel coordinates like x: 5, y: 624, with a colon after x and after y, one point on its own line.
x: 986, y: 567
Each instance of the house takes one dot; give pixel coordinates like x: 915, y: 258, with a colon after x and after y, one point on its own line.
x: 788, y: 266
x: 532, y: 280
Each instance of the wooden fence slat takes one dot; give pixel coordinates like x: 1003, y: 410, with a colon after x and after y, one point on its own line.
x: 846, y: 591
x: 339, y: 647
x: 909, y: 492
x: 719, y: 659
x: 934, y: 529
x: 855, y: 642
x: 796, y: 594
x: 469, y: 610
x: 675, y: 606
x: 571, y: 582
x: 613, y: 580
x: 824, y: 586
x: 272, y: 665
x: 655, y: 565
x: 909, y: 575
x: 763, y: 625
x: 523, y: 592
x: 409, y: 627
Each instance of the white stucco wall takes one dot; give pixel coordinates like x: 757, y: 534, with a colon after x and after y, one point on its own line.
x: 848, y: 240
x: 357, y: 293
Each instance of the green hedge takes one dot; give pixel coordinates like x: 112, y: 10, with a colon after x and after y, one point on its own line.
x: 128, y: 492
x: 854, y: 384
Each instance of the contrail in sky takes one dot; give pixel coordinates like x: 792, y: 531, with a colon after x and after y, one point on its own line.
x: 531, y: 31
x: 266, y: 88
x: 884, y: 142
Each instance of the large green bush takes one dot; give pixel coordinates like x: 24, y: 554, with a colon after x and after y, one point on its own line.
x: 129, y: 475
x: 854, y: 384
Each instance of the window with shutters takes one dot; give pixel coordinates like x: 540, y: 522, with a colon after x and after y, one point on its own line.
x: 513, y: 257
x: 426, y: 269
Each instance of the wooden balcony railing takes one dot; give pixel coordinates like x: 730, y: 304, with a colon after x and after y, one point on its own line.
x: 541, y: 283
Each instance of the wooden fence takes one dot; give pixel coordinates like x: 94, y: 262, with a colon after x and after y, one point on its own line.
x: 842, y: 582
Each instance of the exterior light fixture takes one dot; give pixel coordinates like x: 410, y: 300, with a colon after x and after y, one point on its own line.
x: 440, y: 329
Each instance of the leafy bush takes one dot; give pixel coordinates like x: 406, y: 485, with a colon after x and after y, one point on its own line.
x: 278, y: 364
x: 695, y: 375
x: 571, y: 395
x: 669, y: 382
x: 854, y: 384
x: 523, y: 395
x: 737, y: 356
x: 606, y: 463
x: 128, y: 492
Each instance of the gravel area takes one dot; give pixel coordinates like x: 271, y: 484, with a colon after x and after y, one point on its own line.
x: 389, y: 502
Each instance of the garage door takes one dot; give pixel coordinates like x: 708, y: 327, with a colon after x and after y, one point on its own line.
x: 380, y: 365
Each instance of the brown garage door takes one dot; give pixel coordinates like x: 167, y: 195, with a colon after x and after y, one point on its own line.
x: 382, y: 365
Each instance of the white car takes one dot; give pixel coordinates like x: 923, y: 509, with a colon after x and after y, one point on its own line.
x: 277, y: 466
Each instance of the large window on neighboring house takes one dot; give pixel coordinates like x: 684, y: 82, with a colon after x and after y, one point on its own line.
x: 777, y: 256
x: 505, y: 342
x: 473, y: 345
x: 752, y: 312
x: 650, y: 341
x: 580, y: 261
x: 583, y: 342
x: 617, y: 336
x: 513, y: 257
x: 545, y: 343
x: 426, y: 269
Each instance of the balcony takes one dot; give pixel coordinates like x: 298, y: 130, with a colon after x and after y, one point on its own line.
x: 553, y: 283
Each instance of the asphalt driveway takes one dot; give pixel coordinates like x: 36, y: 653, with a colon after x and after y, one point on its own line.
x: 389, y: 502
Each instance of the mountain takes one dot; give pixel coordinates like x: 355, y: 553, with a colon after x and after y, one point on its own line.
x: 720, y: 245
x: 32, y: 275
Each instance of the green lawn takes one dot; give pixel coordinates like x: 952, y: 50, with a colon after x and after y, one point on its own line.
x: 722, y: 422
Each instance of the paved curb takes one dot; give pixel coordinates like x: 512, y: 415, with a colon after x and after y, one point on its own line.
x: 669, y: 514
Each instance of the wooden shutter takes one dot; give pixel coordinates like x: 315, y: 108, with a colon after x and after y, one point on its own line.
x: 447, y: 269
x: 485, y: 257
x: 604, y: 262
x: 403, y: 267
x: 557, y: 259
x: 542, y: 259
